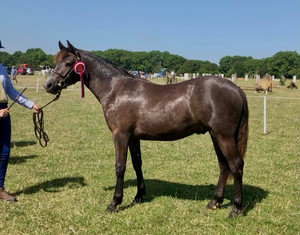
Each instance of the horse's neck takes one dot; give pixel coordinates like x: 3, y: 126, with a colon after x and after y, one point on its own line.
x: 100, y: 80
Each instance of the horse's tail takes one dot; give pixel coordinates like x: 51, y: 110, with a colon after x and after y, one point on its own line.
x: 242, y: 135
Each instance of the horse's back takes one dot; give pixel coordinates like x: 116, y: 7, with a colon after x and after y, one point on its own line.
x: 167, y: 112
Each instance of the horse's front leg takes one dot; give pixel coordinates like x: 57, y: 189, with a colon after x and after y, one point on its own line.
x: 136, y: 158
x: 121, y: 147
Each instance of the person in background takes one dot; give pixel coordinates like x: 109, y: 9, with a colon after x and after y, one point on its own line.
x: 7, y: 90
x: 13, y: 74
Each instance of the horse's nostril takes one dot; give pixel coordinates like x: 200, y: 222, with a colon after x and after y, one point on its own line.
x: 48, y: 85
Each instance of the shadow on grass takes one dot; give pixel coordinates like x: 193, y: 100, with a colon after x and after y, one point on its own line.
x: 54, y: 186
x: 157, y: 188
x: 18, y: 160
x: 22, y: 143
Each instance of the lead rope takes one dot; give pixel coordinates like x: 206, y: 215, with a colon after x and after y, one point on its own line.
x: 38, y: 122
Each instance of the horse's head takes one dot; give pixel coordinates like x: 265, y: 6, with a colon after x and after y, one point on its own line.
x: 63, y: 74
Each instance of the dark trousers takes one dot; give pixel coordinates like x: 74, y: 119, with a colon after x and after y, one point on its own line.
x: 5, y: 136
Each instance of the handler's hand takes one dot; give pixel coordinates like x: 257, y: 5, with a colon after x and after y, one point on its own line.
x: 4, y: 113
x: 36, y: 108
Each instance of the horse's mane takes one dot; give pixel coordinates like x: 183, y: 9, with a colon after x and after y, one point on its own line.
x: 108, y: 63
x: 64, y: 53
x: 61, y: 55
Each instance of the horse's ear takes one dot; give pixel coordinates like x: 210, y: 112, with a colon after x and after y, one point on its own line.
x: 71, y: 48
x: 61, y: 46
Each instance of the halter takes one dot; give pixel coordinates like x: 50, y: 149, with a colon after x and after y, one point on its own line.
x: 61, y: 83
x: 79, y: 68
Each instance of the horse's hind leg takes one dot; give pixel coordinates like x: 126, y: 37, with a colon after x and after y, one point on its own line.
x: 229, y: 149
x: 135, y: 151
x: 218, y: 198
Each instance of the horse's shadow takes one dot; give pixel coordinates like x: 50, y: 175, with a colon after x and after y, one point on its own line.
x: 157, y: 188
x: 54, y: 185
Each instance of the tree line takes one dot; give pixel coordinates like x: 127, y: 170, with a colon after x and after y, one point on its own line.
x: 283, y: 63
x: 34, y: 56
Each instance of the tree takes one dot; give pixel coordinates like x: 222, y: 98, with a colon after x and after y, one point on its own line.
x: 263, y: 67
x: 189, y: 66
x: 285, y: 63
x: 16, y: 58
x: 34, y: 56
x: 198, y: 66
x: 5, y: 59
x: 226, y: 63
x: 48, y: 61
x: 235, y: 64
x: 174, y: 62
x: 208, y: 67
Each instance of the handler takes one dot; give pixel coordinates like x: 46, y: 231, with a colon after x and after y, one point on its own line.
x: 7, y: 89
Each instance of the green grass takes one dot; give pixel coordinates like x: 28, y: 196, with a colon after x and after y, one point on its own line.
x: 65, y: 187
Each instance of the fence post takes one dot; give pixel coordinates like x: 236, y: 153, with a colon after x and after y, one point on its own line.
x: 265, y: 114
x: 37, y: 85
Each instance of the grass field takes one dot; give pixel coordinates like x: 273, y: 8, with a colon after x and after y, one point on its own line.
x: 65, y: 187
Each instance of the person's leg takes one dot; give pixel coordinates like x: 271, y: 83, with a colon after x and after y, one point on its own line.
x: 5, y: 136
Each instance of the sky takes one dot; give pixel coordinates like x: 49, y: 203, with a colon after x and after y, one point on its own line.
x: 194, y: 29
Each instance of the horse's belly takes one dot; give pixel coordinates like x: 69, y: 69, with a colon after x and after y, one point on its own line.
x: 168, y: 132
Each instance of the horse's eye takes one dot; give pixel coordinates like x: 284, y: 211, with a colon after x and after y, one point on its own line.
x: 69, y: 64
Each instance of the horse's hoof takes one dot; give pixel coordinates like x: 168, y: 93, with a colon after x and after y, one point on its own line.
x: 111, y: 208
x: 213, y: 205
x: 235, y: 212
x: 138, y: 199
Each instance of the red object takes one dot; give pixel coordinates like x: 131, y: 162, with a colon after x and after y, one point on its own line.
x: 24, y: 69
x: 79, y: 68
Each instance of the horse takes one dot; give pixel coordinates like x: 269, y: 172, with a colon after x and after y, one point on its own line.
x: 137, y: 109
x: 292, y: 85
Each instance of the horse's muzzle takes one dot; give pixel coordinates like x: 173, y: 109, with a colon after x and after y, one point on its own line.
x: 51, y: 88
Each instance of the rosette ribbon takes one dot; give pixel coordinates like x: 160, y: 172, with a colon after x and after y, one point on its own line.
x: 79, y: 68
